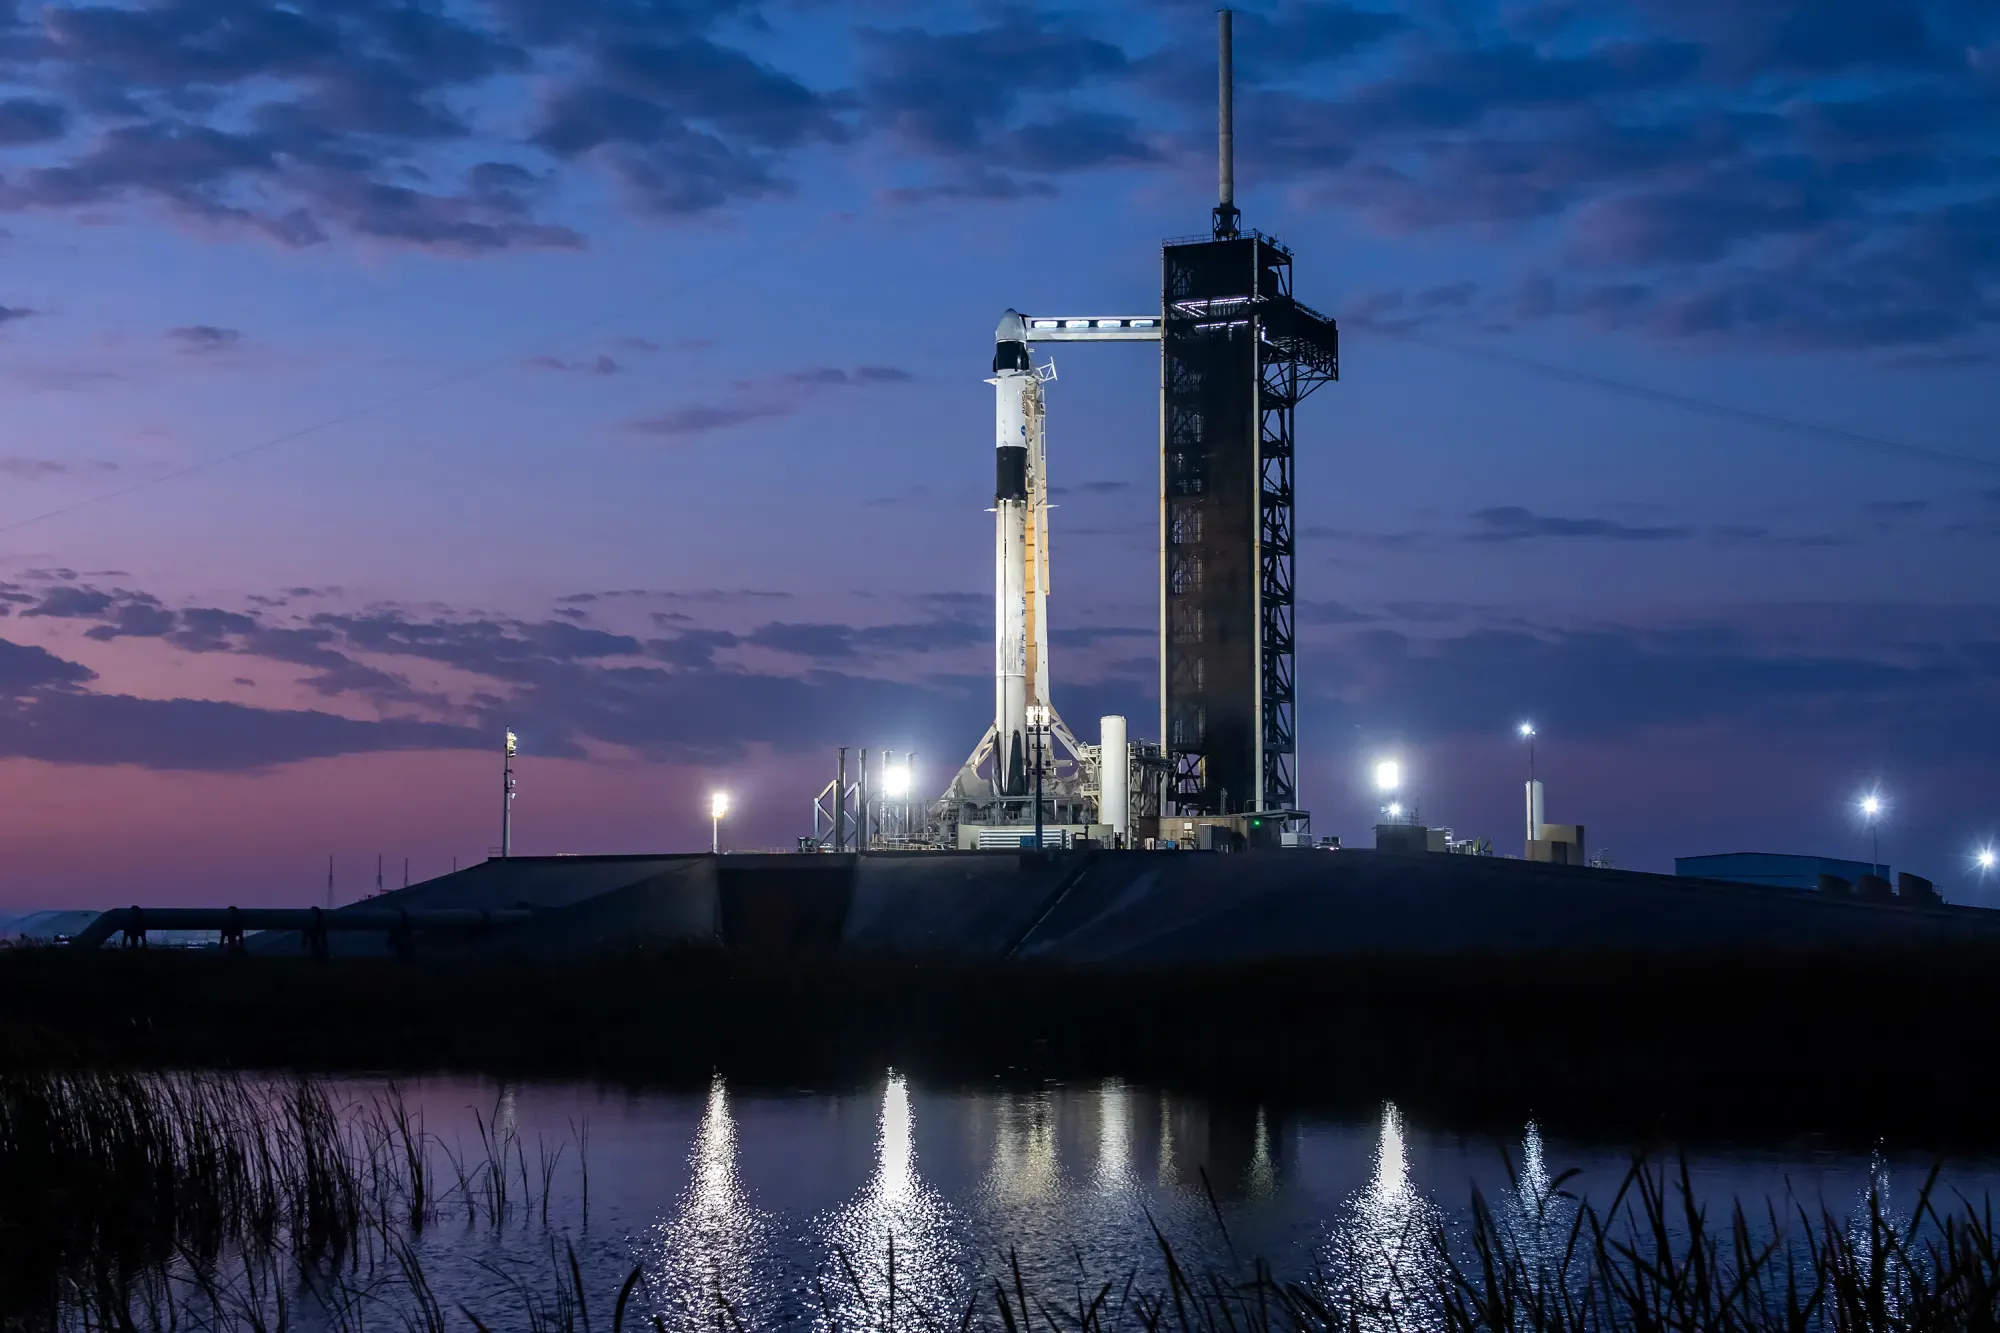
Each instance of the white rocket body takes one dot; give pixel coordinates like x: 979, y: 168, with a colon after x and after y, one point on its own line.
x: 1017, y: 396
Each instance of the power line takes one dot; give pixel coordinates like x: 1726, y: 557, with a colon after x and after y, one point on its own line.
x: 357, y: 413
x: 1708, y: 407
x: 1589, y: 379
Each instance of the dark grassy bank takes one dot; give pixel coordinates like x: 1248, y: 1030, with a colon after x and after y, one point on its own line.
x: 1886, y: 1042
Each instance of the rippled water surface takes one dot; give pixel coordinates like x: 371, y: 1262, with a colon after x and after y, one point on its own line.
x: 791, y: 1206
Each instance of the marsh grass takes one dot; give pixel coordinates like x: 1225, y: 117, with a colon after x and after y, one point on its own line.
x: 214, y: 1201
x: 207, y: 1202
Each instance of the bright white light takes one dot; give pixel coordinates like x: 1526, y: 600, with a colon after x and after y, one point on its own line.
x: 1388, y: 775
x: 1986, y: 859
x: 1394, y: 809
x: 1871, y: 806
x: 1527, y: 730
x: 718, y: 805
x: 896, y: 783
x: 513, y: 743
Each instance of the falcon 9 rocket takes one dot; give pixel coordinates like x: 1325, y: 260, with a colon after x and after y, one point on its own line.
x: 1017, y: 433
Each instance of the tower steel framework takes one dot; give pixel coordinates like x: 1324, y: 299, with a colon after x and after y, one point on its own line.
x: 1237, y: 355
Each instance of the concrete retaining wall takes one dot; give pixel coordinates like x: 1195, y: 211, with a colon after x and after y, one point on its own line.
x: 1144, y: 907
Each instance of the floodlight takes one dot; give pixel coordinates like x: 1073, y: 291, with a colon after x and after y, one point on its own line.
x: 896, y: 782
x: 1527, y: 730
x: 1394, y: 809
x: 718, y: 805
x: 1388, y: 775
x: 1986, y: 859
x: 1871, y: 806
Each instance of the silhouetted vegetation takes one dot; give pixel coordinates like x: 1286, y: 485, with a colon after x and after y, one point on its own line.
x: 208, y: 1202
x: 1621, y: 1044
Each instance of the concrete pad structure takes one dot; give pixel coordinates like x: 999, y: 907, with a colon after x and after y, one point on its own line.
x: 1112, y: 908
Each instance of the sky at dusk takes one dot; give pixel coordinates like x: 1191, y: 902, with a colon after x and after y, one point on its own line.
x: 376, y: 375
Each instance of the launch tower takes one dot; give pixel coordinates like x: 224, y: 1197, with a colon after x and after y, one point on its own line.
x: 1238, y: 352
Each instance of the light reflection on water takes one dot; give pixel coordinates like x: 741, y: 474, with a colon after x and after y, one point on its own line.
x: 897, y: 1241
x: 715, y: 1248
x: 1376, y: 1256
x: 789, y: 1209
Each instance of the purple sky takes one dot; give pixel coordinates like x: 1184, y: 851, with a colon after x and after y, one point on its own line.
x: 374, y: 375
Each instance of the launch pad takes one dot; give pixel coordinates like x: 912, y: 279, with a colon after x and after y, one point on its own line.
x: 1238, y: 353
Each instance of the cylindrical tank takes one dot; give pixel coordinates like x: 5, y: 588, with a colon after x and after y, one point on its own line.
x: 1114, y: 769
x: 1915, y: 890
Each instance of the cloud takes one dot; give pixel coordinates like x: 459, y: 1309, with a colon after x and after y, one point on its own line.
x: 1349, y: 536
x: 1510, y: 523
x: 755, y: 400
x: 137, y: 616
x: 1331, y: 613
x: 47, y: 714
x: 1303, y: 35
x: 25, y: 121
x: 726, y: 595
x: 1619, y: 681
x: 25, y: 668
x: 831, y: 641
x: 1840, y: 36
x: 702, y: 418
x: 72, y: 603
x: 75, y: 727
x: 40, y: 469
x: 202, y: 339
x: 1083, y: 636
x: 692, y: 694
x: 1815, y: 176
x: 955, y: 598
x: 8, y: 314
x: 290, y: 122
x: 1816, y: 209
x: 597, y: 365
x: 974, y: 183
x: 686, y: 124
x: 677, y: 696
x: 954, y: 93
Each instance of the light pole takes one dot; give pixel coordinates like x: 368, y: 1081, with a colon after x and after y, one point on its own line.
x: 1534, y: 789
x: 507, y: 752
x: 1038, y: 721
x: 1388, y: 778
x: 896, y: 791
x: 718, y: 806
x: 1871, y: 810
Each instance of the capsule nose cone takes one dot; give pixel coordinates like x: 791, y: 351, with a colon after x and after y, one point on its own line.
x: 1013, y: 328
